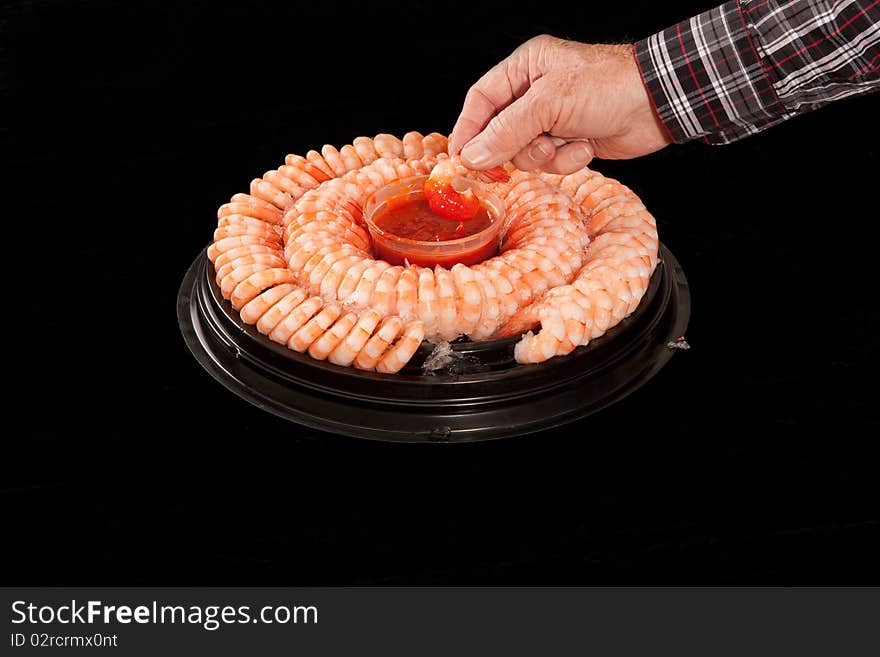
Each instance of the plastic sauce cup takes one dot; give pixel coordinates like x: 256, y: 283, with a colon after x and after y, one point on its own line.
x: 398, y: 250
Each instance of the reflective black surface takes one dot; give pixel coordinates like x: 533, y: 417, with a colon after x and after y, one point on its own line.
x: 749, y: 458
x: 483, y: 394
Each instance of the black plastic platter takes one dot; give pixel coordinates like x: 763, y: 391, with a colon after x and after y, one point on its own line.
x: 480, y: 394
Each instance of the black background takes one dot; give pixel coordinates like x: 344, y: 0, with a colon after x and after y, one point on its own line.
x: 750, y: 458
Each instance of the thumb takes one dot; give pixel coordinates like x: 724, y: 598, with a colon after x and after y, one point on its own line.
x: 509, y: 131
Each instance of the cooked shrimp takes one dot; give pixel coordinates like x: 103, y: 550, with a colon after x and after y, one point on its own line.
x: 508, y: 299
x: 231, y: 280
x: 285, y: 184
x: 388, y: 146
x: 245, y: 220
x: 279, y: 310
x: 268, y: 192
x: 257, y: 282
x: 447, y: 327
x: 538, y: 348
x: 412, y: 145
x: 427, y: 308
x: 255, y: 202
x: 313, y: 329
x: 299, y: 252
x: 246, y: 206
x: 298, y: 316
x: 351, y: 278
x: 297, y: 176
x: 407, y: 293
x: 322, y: 347
x: 268, y: 259
x: 245, y: 250
x: 577, y: 255
x: 367, y: 284
x: 318, y: 265
x: 350, y: 158
x: 450, y: 192
x: 469, y: 298
x: 398, y: 355
x: 229, y: 243
x: 254, y: 309
x: 304, y: 171
x: 232, y: 225
x: 384, y: 297
x: 337, y: 230
x: 347, y: 350
x: 365, y: 149
x: 372, y: 351
x: 334, y: 160
x: 329, y: 283
x: 434, y: 144
x: 320, y: 165
x: 491, y: 308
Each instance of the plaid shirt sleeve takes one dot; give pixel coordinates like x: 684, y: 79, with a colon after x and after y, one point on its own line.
x: 746, y: 65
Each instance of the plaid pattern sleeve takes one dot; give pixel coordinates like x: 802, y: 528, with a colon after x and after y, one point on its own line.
x: 741, y: 67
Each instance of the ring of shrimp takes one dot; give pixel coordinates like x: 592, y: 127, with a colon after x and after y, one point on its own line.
x: 293, y: 256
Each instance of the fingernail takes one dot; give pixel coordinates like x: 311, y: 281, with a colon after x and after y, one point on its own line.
x: 540, y: 152
x: 580, y: 153
x: 476, y: 153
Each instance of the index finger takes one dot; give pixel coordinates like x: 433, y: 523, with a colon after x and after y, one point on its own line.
x: 498, y: 88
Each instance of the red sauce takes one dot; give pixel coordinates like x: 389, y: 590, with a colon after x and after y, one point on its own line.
x: 413, y: 219
x: 416, y: 221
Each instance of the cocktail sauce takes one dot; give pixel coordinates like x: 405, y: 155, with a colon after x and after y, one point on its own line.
x: 413, y: 219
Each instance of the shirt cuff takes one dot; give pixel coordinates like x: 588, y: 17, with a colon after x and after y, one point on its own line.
x: 706, y: 79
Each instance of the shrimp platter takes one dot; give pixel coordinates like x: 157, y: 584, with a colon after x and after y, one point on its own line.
x: 294, y: 257
x: 382, y: 290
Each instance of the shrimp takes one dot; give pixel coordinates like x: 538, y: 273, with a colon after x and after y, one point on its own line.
x: 313, y: 329
x: 293, y: 256
x: 285, y: 184
x: 469, y: 298
x: 331, y: 281
x: 279, y: 310
x: 266, y: 231
x: 407, y: 292
x: 347, y: 350
x: 298, y: 316
x: 254, y: 259
x: 257, y: 282
x: 304, y: 171
x: 446, y: 310
x: 397, y: 356
x: 372, y: 351
x: 435, y: 143
x: 489, y: 319
x: 245, y: 250
x: 231, y: 280
x: 316, y: 268
x: 268, y: 192
x: 365, y: 149
x: 363, y: 291
x: 352, y: 276
x: 254, y: 309
x: 384, y: 297
x: 228, y: 243
x: 427, y: 296
x: 412, y: 145
x: 324, y: 345
x: 388, y: 145
x: 450, y: 193
x: 251, y: 207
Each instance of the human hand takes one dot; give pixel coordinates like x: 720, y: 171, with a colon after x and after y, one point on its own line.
x: 555, y: 105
